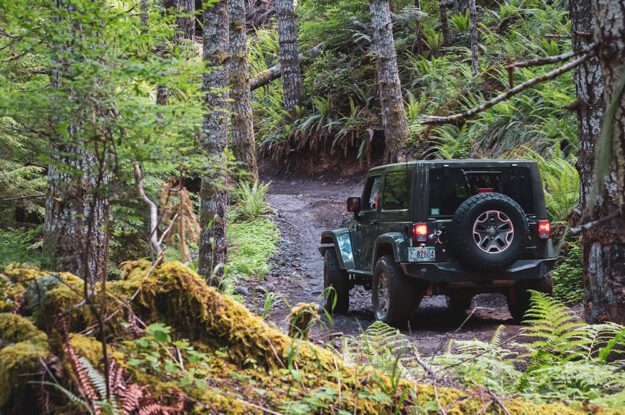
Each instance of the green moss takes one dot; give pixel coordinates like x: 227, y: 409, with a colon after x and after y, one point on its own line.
x: 25, y: 346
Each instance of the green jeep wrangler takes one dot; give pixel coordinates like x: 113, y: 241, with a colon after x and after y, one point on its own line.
x: 455, y: 228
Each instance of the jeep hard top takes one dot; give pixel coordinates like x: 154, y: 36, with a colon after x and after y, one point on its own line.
x: 453, y: 227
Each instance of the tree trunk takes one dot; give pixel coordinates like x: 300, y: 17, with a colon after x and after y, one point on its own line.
x: 444, y: 21
x: 475, y: 62
x: 292, y: 89
x: 213, y: 193
x: 75, y: 235
x: 243, y: 144
x: 418, y: 45
x: 604, y: 244
x: 389, y: 86
x: 185, y: 21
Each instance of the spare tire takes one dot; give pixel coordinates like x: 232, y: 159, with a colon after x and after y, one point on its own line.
x: 489, y: 231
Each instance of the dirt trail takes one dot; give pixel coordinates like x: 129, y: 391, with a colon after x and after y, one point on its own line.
x: 306, y: 208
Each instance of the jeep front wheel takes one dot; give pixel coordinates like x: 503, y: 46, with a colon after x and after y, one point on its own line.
x: 394, y: 295
x: 335, y: 284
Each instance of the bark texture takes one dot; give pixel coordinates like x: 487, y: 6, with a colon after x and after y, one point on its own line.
x: 289, y: 55
x: 475, y: 62
x: 243, y: 144
x: 70, y: 198
x: 75, y: 236
x: 213, y: 193
x: 444, y: 21
x: 604, y: 244
x: 418, y: 45
x: 389, y: 86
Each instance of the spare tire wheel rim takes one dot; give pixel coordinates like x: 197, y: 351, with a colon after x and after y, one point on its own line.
x: 383, y: 296
x: 493, y: 232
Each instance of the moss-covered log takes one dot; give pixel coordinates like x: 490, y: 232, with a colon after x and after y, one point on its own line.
x: 254, y: 366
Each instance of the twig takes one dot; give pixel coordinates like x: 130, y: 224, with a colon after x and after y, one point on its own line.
x: 10, y: 199
x: 253, y: 405
x: 551, y: 59
x: 438, y: 401
x: 502, y: 97
x: 589, y: 225
x: 442, y: 343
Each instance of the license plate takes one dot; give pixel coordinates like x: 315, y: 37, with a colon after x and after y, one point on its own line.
x: 421, y: 254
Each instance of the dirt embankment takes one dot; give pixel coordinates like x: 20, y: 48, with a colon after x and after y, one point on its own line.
x: 307, y: 207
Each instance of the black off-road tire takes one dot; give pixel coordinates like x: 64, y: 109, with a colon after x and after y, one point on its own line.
x: 519, y: 295
x: 335, y: 284
x: 462, y: 238
x: 403, y: 293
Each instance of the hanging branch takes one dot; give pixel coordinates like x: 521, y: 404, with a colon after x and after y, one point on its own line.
x: 551, y: 59
x: 429, y: 120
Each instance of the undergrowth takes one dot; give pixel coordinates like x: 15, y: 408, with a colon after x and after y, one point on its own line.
x: 556, y: 357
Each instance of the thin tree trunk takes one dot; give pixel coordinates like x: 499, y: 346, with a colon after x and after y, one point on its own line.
x: 289, y: 55
x: 444, y: 21
x: 75, y: 236
x: 596, y: 82
x: 243, y: 144
x: 185, y: 21
x: 389, y: 86
x: 418, y: 46
x: 213, y: 193
x: 475, y: 62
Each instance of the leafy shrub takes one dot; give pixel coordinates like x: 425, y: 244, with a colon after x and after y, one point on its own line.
x: 250, y: 200
x: 20, y: 246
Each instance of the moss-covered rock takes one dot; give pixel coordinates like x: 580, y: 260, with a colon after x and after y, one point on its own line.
x: 23, y: 348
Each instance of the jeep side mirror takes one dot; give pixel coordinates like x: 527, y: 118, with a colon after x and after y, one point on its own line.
x: 353, y: 204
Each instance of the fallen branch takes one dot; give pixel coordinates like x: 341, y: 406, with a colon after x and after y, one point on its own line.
x: 589, y: 225
x: 262, y: 78
x: 499, y: 98
x: 551, y: 59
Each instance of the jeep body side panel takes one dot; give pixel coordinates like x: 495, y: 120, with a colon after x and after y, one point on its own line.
x: 397, y: 243
x: 339, y: 239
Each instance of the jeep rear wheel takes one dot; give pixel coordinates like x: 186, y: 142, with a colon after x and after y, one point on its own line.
x: 519, y: 296
x: 489, y: 231
x: 335, y: 284
x: 394, y: 295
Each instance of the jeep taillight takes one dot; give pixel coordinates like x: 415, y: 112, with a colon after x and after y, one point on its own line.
x: 544, y: 229
x: 420, y: 232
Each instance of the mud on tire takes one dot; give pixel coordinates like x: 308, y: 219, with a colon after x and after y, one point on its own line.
x: 394, y: 295
x: 489, y: 231
x: 335, y: 284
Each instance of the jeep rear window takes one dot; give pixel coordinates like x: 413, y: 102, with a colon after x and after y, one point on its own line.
x: 450, y: 186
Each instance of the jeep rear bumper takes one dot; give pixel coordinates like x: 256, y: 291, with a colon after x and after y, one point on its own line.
x: 523, y: 269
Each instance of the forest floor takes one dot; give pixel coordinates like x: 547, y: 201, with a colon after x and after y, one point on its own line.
x: 304, y: 208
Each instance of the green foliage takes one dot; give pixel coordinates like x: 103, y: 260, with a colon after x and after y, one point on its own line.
x: 567, y: 274
x: 250, y: 200
x: 252, y: 243
x: 561, y: 182
x: 558, y: 357
x: 20, y: 246
x: 177, y: 361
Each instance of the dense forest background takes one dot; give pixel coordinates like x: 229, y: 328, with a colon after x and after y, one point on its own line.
x: 139, y: 130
